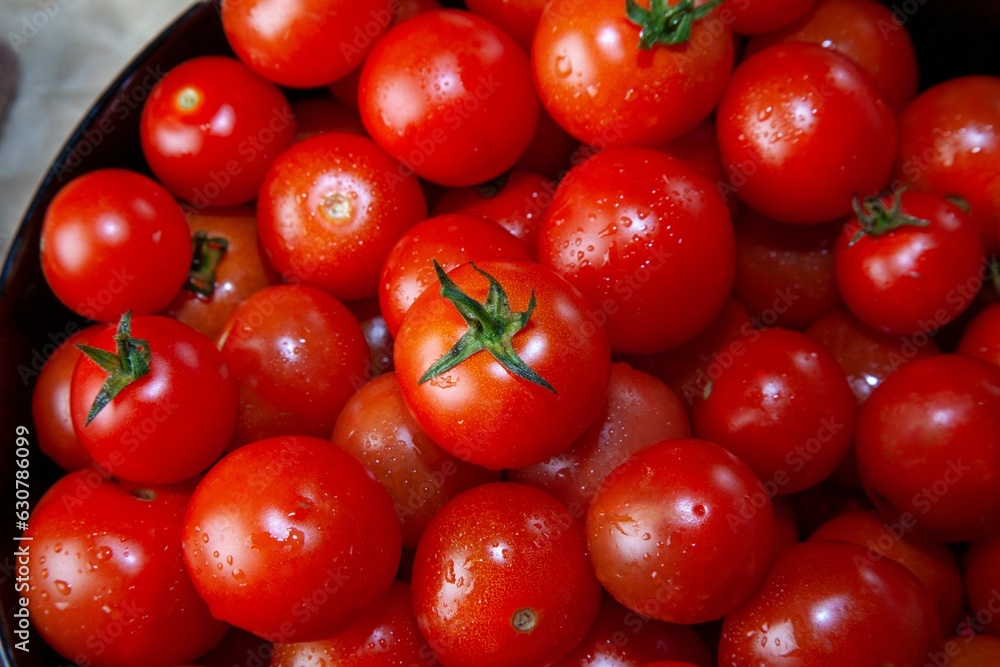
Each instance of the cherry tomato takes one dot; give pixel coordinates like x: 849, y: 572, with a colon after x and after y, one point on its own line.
x: 436, y: 90
x: 377, y: 428
x: 827, y: 603
x: 50, y: 405
x: 108, y: 586
x: 516, y: 201
x: 784, y: 273
x: 633, y: 229
x: 297, y: 354
x: 385, y: 634
x: 933, y: 564
x: 907, y: 264
x: 928, y: 446
x: 480, y: 409
x: 865, y: 31
x: 112, y: 241
x: 783, y: 406
x: 330, y: 210
x: 801, y: 130
x: 601, y: 85
x: 290, y: 538
x: 376, y: 334
x: 307, y: 43
x: 160, y: 406
x: 639, y: 411
x: 748, y: 17
x: 229, y: 267
x: 501, y: 577
x: 700, y: 149
x: 867, y: 356
x: 211, y: 128
x: 673, y: 534
x: 450, y: 240
x: 622, y: 638
x: 949, y: 145
x: 982, y: 582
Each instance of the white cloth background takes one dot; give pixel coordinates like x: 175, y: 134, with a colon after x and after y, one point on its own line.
x: 69, y: 51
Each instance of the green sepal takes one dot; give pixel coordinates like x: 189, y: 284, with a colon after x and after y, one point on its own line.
x: 663, y: 24
x: 876, y: 219
x: 492, y: 326
x: 207, y: 253
x: 129, y: 364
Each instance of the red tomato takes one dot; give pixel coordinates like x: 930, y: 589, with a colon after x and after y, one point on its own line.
x: 377, y: 428
x: 434, y: 92
x: 982, y: 582
x: 826, y: 603
x: 639, y: 411
x: 384, y: 635
x: 866, y: 355
x: 211, y: 128
x: 622, y: 638
x: 330, y: 210
x: 689, y: 368
x: 674, y: 532
x: 700, y: 149
x: 164, y: 418
x: 633, y: 229
x: 603, y: 86
x: 50, y: 405
x: 376, y: 333
x: 108, y: 586
x: 933, y: 564
x: 501, y: 578
x: 783, y: 406
x: 113, y: 241
x: 229, y: 266
x: 801, y: 130
x: 290, y: 538
x: 908, y: 263
x: 865, y: 31
x: 753, y: 16
x: 316, y: 116
x: 518, y: 18
x: 297, y: 354
x: 982, y: 336
x: 928, y: 445
x: 784, y: 273
x: 949, y: 144
x: 481, y: 410
x: 307, y: 43
x: 450, y: 240
x: 516, y: 201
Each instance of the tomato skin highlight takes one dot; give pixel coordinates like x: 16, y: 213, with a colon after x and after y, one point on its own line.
x: 289, y: 538
x: 673, y: 535
x: 478, y: 410
x: 501, y: 577
x: 799, y: 155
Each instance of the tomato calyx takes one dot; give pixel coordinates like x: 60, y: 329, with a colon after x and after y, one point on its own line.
x: 492, y: 326
x: 129, y: 364
x: 877, y: 219
x: 208, y: 252
x: 663, y: 24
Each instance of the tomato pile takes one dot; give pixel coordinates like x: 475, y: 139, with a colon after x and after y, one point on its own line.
x: 632, y: 333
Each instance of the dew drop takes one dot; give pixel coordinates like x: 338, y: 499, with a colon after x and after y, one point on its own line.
x: 104, y: 553
x: 63, y: 587
x: 564, y: 66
